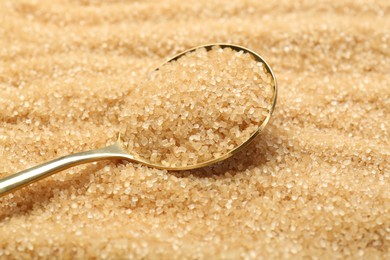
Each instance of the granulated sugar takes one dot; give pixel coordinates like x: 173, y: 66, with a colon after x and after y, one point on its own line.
x: 197, y: 108
x: 315, y: 184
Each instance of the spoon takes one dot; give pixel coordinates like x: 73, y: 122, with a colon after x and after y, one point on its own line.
x: 118, y: 150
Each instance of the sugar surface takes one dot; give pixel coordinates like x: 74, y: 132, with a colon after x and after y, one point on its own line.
x: 197, y: 108
x: 315, y: 185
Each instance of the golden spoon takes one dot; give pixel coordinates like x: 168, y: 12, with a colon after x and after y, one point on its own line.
x: 118, y: 151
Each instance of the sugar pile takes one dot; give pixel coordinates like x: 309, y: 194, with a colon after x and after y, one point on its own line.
x: 314, y: 185
x: 197, y: 108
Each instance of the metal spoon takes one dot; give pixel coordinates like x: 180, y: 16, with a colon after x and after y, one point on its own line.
x: 118, y: 151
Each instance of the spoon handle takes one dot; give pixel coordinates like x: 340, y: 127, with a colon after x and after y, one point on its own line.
x: 26, y: 177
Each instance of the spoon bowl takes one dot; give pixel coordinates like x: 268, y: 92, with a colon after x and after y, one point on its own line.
x: 118, y: 149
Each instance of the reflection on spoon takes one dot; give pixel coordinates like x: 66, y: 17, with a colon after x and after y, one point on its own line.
x: 198, y: 108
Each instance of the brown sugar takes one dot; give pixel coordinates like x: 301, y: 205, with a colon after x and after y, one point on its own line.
x: 197, y: 108
x: 314, y: 184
